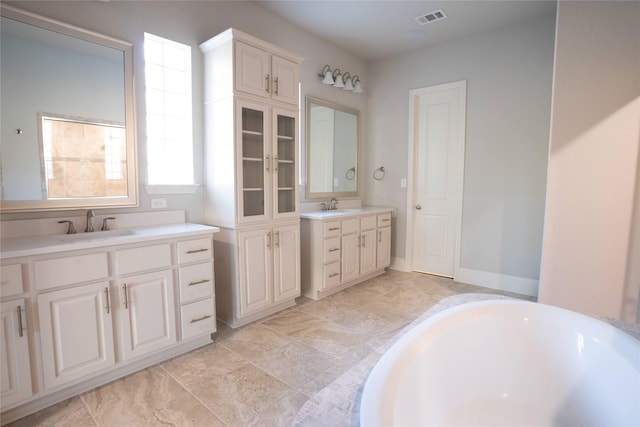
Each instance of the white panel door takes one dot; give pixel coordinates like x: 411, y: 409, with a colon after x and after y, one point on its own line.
x: 350, y: 256
x: 285, y: 80
x: 255, y: 260
x: 76, y: 332
x: 253, y: 70
x: 286, y: 262
x: 439, y: 120
x: 146, y: 313
x: 367, y: 251
x: 14, y: 353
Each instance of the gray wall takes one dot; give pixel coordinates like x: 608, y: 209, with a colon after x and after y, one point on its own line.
x: 509, y: 75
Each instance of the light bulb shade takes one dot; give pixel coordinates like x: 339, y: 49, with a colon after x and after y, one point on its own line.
x: 357, y: 87
x: 339, y: 82
x: 348, y: 85
x: 328, y: 78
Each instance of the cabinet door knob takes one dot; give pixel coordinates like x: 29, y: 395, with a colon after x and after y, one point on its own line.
x: 418, y: 207
x: 275, y: 86
x: 268, y: 81
x: 126, y: 297
x: 106, y: 297
x: 20, y: 328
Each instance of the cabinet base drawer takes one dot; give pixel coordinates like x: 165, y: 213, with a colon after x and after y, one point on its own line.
x: 332, y: 250
x: 196, y: 281
x: 331, y: 275
x: 198, y: 318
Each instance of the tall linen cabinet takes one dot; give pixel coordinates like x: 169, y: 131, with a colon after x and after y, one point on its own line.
x: 251, y: 165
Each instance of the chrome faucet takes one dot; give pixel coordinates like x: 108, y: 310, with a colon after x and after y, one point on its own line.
x: 333, y: 204
x: 90, y: 215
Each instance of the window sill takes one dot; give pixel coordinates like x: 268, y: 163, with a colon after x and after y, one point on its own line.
x: 171, y: 189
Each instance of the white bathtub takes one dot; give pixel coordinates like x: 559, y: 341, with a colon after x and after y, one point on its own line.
x: 508, y: 363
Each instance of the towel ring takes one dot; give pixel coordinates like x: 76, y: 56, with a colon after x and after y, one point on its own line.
x: 378, y: 174
x: 351, y: 173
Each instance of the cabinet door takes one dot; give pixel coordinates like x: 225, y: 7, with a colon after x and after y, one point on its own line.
x: 14, y: 350
x: 285, y: 164
x: 286, y: 262
x: 367, y: 251
x: 255, y: 259
x: 285, y: 80
x: 146, y: 313
x: 75, y: 332
x: 383, y: 248
x: 253, y: 70
x: 350, y: 257
x: 254, y: 163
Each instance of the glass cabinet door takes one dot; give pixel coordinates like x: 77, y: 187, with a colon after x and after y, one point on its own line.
x: 255, y: 163
x: 285, y: 166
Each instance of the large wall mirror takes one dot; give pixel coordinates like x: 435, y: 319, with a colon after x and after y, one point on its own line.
x: 67, y: 123
x: 332, y: 150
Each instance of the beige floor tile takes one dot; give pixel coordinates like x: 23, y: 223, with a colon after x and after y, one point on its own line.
x: 70, y: 413
x: 196, y: 367
x: 255, y: 340
x: 184, y: 411
x: 332, y: 338
x: 128, y: 398
x: 240, y: 397
x: 295, y: 364
x: 293, y: 322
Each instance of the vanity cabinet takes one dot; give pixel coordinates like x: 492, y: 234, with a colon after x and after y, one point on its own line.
x: 339, y: 251
x: 14, y: 350
x: 251, y: 153
x: 98, y: 313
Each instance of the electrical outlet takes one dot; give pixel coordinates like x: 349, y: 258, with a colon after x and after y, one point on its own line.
x: 158, y: 203
x: 403, y: 183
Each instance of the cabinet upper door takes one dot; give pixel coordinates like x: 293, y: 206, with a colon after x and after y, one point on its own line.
x: 14, y: 349
x: 285, y: 164
x: 254, y: 162
x: 253, y: 70
x: 285, y: 81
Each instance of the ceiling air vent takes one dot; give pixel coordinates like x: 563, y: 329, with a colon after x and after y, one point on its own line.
x: 434, y: 16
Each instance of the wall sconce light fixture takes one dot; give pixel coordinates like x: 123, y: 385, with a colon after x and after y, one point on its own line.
x: 340, y: 80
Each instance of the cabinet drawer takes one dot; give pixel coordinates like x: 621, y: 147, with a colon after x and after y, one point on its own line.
x: 331, y: 275
x: 368, y: 223
x: 11, y: 280
x: 331, y: 250
x: 384, y: 220
x: 65, y: 271
x: 196, y: 281
x: 194, y: 250
x: 351, y: 225
x: 145, y: 258
x: 331, y: 228
x: 198, y: 318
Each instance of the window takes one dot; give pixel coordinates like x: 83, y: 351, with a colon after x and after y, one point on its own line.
x: 169, y: 122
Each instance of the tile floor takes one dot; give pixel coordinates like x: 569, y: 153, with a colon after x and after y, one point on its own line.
x: 303, y: 366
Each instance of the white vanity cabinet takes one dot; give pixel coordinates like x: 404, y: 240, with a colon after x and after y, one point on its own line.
x: 251, y: 152
x: 84, y: 316
x: 14, y: 351
x: 341, y: 250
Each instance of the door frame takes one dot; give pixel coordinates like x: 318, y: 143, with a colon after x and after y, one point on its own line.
x: 414, y: 94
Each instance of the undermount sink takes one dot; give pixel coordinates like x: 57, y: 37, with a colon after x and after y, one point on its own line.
x: 94, y: 236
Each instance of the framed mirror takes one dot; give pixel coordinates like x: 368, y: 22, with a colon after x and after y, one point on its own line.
x: 67, y: 126
x: 332, y: 150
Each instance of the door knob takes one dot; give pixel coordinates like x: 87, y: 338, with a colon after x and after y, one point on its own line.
x: 418, y: 207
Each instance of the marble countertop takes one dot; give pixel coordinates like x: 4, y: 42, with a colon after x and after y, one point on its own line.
x: 343, y: 213
x: 13, y: 247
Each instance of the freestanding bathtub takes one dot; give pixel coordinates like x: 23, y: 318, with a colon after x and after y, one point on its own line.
x: 507, y: 363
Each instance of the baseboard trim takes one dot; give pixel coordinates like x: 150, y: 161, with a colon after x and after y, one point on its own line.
x: 502, y: 282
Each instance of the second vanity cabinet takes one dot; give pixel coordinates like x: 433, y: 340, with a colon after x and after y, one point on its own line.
x: 341, y: 250
x: 84, y: 317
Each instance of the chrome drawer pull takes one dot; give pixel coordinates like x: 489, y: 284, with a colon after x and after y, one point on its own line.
x: 195, y: 251
x: 106, y: 298
x: 385, y: 219
x: 199, y: 319
x: 199, y: 282
x: 334, y: 249
x: 334, y: 275
x: 334, y: 229
x: 20, y: 334
x: 126, y: 297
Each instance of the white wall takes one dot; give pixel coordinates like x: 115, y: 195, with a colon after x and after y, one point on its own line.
x: 193, y: 23
x: 508, y: 73
x: 590, y: 262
